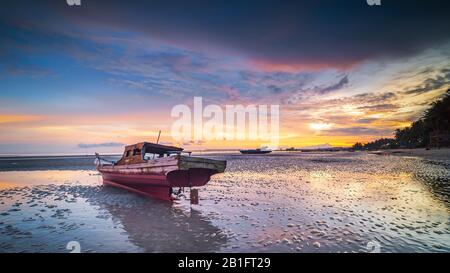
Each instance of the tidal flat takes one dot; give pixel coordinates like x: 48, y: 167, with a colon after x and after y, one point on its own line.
x: 281, y: 202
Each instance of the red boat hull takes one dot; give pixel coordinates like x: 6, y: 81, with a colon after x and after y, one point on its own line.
x: 158, y: 185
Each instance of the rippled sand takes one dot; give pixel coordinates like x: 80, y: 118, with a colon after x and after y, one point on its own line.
x: 282, y: 202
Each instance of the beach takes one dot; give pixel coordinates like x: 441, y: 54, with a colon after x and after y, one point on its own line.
x: 430, y: 154
x: 281, y: 202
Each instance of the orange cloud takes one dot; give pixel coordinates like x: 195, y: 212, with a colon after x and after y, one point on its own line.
x: 18, y: 118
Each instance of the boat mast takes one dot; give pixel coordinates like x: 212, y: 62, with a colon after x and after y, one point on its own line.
x: 157, y: 141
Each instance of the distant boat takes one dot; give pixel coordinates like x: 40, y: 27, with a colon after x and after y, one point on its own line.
x: 255, y: 152
x: 153, y: 170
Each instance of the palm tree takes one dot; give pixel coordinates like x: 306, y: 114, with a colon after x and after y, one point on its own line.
x: 435, y: 121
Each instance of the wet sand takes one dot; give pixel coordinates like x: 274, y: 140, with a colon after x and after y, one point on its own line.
x: 282, y: 202
x: 432, y: 154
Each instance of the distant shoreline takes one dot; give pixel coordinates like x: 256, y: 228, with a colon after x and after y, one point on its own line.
x: 432, y: 154
x: 9, y: 156
x: 441, y: 154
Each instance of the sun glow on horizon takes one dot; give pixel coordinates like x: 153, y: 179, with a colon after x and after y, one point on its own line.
x: 320, y: 126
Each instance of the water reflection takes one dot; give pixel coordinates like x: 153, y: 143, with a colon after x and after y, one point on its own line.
x: 158, y: 226
x: 165, y: 230
x: 17, y: 179
x: 435, y: 176
x: 44, y: 218
x: 334, y: 203
x: 329, y: 202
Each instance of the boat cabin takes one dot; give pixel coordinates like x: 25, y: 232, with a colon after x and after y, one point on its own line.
x: 144, y: 151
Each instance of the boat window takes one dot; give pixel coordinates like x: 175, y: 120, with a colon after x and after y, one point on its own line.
x: 148, y: 156
x: 136, y: 151
x: 128, y: 153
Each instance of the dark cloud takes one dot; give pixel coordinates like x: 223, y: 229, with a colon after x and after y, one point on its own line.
x: 301, y: 92
x: 98, y: 145
x: 371, y: 98
x: 431, y: 84
x: 356, y: 131
x: 309, y: 32
x: 343, y: 82
x: 198, y: 143
x: 275, y: 89
x: 174, y: 62
x: 379, y: 107
x: 366, y: 120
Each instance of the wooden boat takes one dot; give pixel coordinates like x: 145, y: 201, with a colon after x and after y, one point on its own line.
x: 255, y: 152
x: 154, y: 170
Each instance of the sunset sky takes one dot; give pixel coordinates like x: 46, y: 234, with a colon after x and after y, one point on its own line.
x: 107, y: 73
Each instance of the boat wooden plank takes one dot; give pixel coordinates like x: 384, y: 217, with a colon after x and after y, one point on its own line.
x: 187, y: 163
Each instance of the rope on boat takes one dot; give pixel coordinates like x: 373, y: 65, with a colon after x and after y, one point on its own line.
x: 98, y: 160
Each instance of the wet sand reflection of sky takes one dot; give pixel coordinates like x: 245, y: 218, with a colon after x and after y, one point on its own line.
x: 336, y: 202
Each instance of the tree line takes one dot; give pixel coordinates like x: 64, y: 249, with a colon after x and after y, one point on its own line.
x: 434, y: 122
